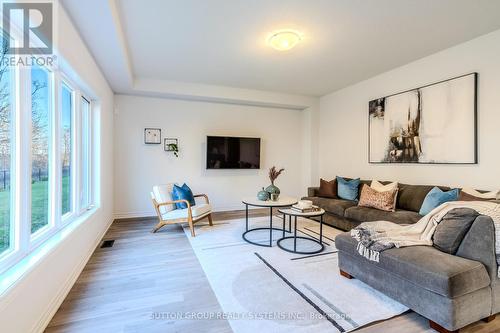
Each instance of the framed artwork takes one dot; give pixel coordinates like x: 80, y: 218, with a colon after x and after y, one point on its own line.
x: 152, y: 136
x: 434, y: 124
x: 170, y: 144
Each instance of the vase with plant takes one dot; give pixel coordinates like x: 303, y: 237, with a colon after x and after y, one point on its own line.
x: 272, y: 189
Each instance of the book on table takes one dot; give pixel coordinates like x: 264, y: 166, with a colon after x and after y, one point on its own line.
x: 305, y: 210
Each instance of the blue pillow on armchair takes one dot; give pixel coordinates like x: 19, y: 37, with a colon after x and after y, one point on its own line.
x: 435, y: 198
x: 183, y: 193
x: 348, y: 189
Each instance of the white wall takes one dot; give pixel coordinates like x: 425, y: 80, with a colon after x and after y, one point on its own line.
x: 31, y: 302
x: 138, y: 166
x: 343, y: 138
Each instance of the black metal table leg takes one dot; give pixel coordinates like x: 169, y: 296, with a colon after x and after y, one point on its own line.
x: 270, y: 226
x: 321, y: 229
x: 295, y: 234
x: 284, y: 220
x: 246, y: 206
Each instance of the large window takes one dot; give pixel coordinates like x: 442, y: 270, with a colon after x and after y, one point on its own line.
x: 6, y: 131
x: 66, y: 144
x: 46, y: 156
x: 40, y: 142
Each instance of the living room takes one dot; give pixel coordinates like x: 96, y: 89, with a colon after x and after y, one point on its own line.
x: 234, y: 166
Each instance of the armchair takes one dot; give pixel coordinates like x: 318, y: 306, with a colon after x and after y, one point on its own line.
x: 168, y: 214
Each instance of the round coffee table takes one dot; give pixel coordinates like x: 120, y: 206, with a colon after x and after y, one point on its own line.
x: 291, y: 212
x: 280, y: 203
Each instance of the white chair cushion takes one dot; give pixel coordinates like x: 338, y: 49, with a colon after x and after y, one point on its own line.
x: 196, y: 211
x: 163, y: 193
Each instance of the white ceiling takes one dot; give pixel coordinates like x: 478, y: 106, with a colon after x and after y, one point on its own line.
x: 223, y: 42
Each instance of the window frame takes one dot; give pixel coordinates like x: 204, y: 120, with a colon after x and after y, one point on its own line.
x: 12, y: 253
x: 89, y: 162
x: 74, y: 211
x: 48, y: 230
x: 22, y: 241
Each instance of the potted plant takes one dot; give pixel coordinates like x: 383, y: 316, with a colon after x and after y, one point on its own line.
x: 173, y: 147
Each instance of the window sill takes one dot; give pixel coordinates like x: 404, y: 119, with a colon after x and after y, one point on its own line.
x: 15, y: 273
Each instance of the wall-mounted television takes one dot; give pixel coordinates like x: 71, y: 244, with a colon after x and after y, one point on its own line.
x: 227, y: 152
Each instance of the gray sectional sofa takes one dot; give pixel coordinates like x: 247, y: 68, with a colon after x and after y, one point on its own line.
x: 451, y: 290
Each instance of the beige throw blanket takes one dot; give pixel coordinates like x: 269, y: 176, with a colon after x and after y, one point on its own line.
x: 382, y: 235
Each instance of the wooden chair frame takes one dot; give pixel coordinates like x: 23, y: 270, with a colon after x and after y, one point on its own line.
x: 189, y: 219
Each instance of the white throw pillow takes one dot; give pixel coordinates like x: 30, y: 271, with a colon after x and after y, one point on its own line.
x: 379, y: 187
x: 488, y: 195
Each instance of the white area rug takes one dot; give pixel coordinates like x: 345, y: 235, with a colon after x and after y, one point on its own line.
x: 264, y: 289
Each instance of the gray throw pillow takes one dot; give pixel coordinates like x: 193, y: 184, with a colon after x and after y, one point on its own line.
x: 452, y: 229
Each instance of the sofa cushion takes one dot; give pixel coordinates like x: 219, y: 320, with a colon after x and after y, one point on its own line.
x: 452, y: 229
x: 464, y: 196
x: 385, y: 201
x: 411, y: 197
x: 442, y: 273
x: 435, y: 198
x: 493, y: 195
x: 327, y: 189
x: 334, y: 206
x: 382, y: 187
x: 348, y: 189
x: 363, y: 181
x: 386, y: 186
x: 365, y: 214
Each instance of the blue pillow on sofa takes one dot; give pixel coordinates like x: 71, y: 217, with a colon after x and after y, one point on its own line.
x: 183, y: 193
x: 436, y: 197
x: 348, y: 189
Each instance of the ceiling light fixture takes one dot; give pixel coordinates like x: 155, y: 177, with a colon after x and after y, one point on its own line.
x: 284, y: 40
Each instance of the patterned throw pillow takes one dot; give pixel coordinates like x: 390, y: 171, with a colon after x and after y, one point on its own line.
x: 380, y: 200
x: 378, y: 186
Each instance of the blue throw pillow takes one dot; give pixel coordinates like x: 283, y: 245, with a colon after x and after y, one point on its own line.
x: 348, y: 189
x: 435, y: 198
x: 183, y: 193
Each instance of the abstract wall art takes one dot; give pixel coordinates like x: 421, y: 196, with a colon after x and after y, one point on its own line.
x: 436, y: 123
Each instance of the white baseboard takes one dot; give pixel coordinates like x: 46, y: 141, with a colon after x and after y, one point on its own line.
x: 66, y: 288
x: 129, y: 215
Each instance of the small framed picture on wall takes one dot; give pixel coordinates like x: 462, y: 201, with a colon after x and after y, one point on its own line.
x: 170, y: 144
x: 152, y: 136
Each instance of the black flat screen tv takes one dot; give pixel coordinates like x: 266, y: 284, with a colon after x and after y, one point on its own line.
x: 225, y: 152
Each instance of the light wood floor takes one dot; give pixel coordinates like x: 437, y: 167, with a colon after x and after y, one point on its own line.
x: 122, y: 288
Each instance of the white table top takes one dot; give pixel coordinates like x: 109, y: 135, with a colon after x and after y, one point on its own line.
x: 289, y: 211
x: 283, y: 201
